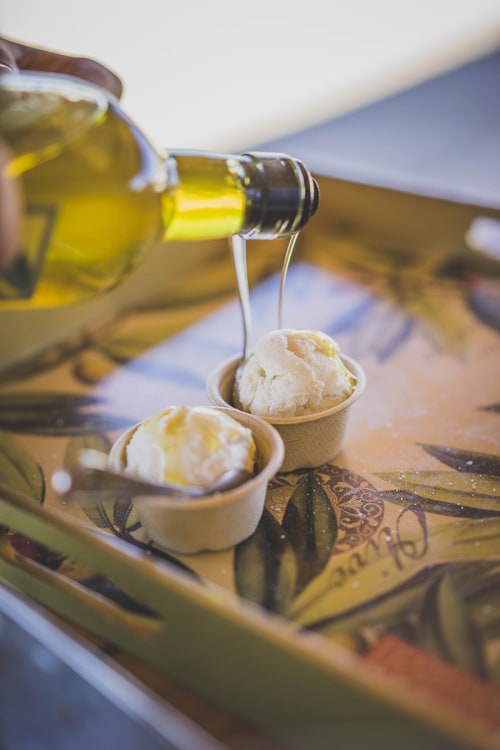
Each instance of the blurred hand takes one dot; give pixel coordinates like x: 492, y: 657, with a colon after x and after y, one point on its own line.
x: 15, y: 57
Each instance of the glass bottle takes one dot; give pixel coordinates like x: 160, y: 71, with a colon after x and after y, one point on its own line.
x: 98, y: 196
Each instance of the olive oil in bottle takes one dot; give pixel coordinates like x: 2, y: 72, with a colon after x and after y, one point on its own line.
x: 97, y: 196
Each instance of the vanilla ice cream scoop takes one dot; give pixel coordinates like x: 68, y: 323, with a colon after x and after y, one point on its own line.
x: 189, y: 446
x: 291, y: 373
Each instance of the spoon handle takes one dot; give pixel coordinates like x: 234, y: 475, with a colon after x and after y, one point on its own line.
x: 81, y: 482
x: 86, y: 479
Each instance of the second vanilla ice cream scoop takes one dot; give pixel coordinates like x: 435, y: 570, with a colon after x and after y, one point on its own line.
x: 292, y: 373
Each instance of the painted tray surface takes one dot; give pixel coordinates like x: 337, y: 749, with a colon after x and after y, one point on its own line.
x: 392, y: 550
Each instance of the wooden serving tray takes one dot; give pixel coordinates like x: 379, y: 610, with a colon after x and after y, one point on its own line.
x: 365, y: 609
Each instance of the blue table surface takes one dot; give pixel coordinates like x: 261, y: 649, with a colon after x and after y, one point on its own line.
x: 440, y: 136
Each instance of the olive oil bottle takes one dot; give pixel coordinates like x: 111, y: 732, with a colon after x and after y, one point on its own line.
x: 97, y: 196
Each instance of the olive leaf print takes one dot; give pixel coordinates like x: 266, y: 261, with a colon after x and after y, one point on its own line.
x: 404, y: 547
x: 126, y: 347
x: 472, y: 490
x: 446, y: 627
x: 19, y: 470
x: 311, y: 525
x: 451, y: 610
x: 278, y: 560
x: 449, y: 507
x: 393, y: 610
x: 380, y: 326
x: 391, y: 562
x: 468, y: 461
x: 57, y: 414
x: 134, y: 336
x: 265, y: 566
x: 494, y: 408
x: 449, y: 605
x: 460, y: 495
x: 434, y: 586
x: 400, y: 295
x: 49, y: 359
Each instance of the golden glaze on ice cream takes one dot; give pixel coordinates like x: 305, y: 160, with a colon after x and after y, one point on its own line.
x: 291, y: 373
x: 189, y: 445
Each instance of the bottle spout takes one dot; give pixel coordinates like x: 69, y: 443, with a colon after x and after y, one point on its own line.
x: 314, y: 198
x: 282, y: 195
x: 312, y: 204
x: 310, y: 199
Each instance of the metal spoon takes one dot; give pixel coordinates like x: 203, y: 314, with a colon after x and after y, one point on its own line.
x: 81, y: 481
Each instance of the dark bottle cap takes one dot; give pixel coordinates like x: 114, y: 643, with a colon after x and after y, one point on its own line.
x: 282, y: 195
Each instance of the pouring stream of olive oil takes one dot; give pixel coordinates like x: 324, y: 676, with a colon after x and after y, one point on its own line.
x: 239, y: 249
x: 98, y: 196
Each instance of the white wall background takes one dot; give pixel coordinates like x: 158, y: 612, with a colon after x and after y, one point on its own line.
x: 226, y: 74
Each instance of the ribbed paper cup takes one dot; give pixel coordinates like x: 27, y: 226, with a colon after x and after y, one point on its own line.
x: 310, y: 440
x: 212, y: 522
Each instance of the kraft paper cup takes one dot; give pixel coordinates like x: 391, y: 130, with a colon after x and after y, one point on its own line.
x: 310, y: 440
x: 213, y: 522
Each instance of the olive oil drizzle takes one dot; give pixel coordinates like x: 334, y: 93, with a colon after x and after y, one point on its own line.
x: 284, y: 270
x: 239, y: 251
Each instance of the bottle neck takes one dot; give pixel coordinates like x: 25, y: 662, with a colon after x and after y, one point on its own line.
x: 281, y: 195
x: 255, y: 195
